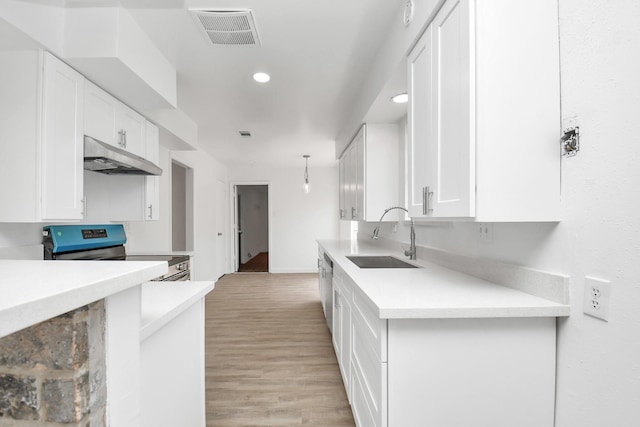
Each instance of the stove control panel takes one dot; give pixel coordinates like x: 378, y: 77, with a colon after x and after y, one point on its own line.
x: 94, y: 233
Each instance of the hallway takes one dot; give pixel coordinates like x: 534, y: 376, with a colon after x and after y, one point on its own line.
x: 269, y: 357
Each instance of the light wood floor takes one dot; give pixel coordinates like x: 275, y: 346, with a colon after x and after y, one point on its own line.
x: 269, y: 357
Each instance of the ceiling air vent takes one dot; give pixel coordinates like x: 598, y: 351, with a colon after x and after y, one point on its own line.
x: 228, y: 28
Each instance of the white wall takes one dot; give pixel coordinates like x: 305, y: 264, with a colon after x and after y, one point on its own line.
x: 297, y: 219
x: 206, y: 171
x: 155, y: 236
x: 598, y: 377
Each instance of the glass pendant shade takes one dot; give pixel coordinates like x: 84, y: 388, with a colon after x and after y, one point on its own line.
x: 306, y: 187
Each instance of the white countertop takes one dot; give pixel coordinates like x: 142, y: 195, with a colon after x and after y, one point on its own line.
x: 34, y: 291
x: 434, y: 291
x: 163, y: 301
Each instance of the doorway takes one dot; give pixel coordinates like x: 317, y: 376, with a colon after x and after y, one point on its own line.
x: 252, y: 228
x: 181, y: 207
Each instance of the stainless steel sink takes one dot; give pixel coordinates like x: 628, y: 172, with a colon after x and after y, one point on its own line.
x: 376, y: 261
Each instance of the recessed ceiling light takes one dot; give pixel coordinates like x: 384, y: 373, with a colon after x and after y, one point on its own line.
x: 401, y: 98
x: 261, y: 77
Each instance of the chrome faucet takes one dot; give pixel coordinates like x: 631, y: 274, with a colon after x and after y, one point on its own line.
x: 411, y: 253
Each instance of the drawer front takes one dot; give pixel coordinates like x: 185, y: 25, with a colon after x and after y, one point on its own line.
x: 361, y: 412
x: 363, y: 397
x: 338, y: 276
x: 371, y: 371
x: 373, y: 330
x: 347, y: 286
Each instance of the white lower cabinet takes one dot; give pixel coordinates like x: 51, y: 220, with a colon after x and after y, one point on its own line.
x: 368, y: 365
x: 471, y: 372
x: 342, y: 326
x: 497, y: 372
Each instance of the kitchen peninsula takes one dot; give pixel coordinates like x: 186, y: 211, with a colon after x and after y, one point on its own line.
x: 73, y: 338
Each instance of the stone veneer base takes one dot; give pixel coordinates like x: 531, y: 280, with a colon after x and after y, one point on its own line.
x: 54, y: 373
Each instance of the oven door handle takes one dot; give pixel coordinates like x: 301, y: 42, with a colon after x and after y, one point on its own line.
x: 183, y: 276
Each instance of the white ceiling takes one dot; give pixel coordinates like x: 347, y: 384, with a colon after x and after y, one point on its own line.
x: 316, y: 52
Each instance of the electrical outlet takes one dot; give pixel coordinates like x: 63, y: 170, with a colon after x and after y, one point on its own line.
x: 597, y: 297
x: 485, y: 231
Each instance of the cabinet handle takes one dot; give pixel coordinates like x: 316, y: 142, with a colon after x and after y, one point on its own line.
x: 341, y: 213
x: 426, y: 201
x: 123, y: 138
x: 353, y: 213
x: 150, y: 211
x: 336, y: 299
x: 84, y: 206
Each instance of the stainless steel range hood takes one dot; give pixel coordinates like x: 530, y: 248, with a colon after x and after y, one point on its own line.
x: 104, y: 158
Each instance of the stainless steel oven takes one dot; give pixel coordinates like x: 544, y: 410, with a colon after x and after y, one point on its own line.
x: 105, y: 242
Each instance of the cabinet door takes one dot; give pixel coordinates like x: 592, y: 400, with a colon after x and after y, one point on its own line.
x: 452, y: 153
x: 342, y: 192
x: 130, y: 130
x: 441, y: 146
x: 342, y: 335
x: 345, y: 345
x: 62, y: 141
x: 421, y: 122
x: 359, y: 171
x: 99, y: 114
x: 152, y: 183
x: 351, y: 184
x: 336, y: 337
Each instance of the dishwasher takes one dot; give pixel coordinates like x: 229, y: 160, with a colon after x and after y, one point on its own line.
x: 326, y: 288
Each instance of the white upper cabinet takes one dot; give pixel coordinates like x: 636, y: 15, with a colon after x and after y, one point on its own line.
x: 62, y: 141
x: 369, y: 173
x: 131, y: 131
x: 99, y: 114
x: 152, y: 183
x: 110, y: 121
x: 42, y: 147
x: 342, y: 180
x: 484, y: 113
x: 420, y: 121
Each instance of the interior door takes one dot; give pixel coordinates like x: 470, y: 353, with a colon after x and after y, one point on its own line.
x: 221, y: 228
x: 236, y: 240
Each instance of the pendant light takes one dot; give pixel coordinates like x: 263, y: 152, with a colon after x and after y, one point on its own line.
x: 306, y: 187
